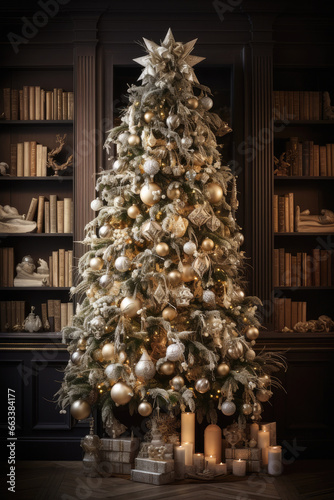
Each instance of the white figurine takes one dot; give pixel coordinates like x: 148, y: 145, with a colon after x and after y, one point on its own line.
x: 3, y: 168
x: 32, y: 323
x: 26, y: 275
x: 12, y: 222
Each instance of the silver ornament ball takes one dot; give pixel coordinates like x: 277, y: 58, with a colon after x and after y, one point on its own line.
x: 105, y: 280
x: 186, y: 142
x: 209, y: 297
x: 151, y: 166
x: 145, y: 409
x: 96, y: 204
x: 173, y: 121
x: 174, y: 352
x: 202, y: 385
x: 189, y: 248
x: 122, y: 264
x: 119, y: 201
x: 207, y: 103
x: 118, y: 166
x: 145, y: 368
x: 228, y: 408
x: 105, y: 231
x: 247, y: 409
x: 177, y: 382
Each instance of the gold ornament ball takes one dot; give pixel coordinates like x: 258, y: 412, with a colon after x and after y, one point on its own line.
x: 188, y: 274
x: 121, y: 393
x: 122, y: 356
x: 162, y: 249
x: 214, y: 192
x: 174, y: 277
x: 80, y: 409
x: 263, y: 395
x: 108, y: 351
x: 192, y: 103
x: 167, y: 368
x: 76, y: 356
x: 177, y: 382
x: 146, y: 194
x: 252, y: 333
x: 257, y: 408
x: 96, y: 263
x: 207, y: 244
x: 130, y: 306
x: 236, y: 350
x: 202, y: 385
x: 169, y: 313
x: 173, y: 193
x: 250, y: 355
x: 82, y: 343
x: 97, y: 355
x: 264, y: 381
x: 145, y: 409
x: 223, y: 369
x: 133, y: 211
x: 133, y: 140
x: 247, y: 409
x: 148, y: 116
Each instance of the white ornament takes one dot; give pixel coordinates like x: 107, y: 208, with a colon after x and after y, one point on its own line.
x: 145, y: 368
x: 207, y: 103
x: 173, y: 121
x: 186, y: 142
x: 118, y: 166
x: 96, y: 204
x: 122, y: 264
x: 228, y: 408
x: 174, y: 352
x: 151, y: 166
x: 209, y: 297
x: 119, y: 201
x: 189, y: 248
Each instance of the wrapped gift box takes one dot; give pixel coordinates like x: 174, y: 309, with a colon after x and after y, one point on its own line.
x: 161, y: 467
x: 155, y: 478
x: 119, y: 456
x: 120, y: 444
x: 243, y: 453
x: 251, y: 465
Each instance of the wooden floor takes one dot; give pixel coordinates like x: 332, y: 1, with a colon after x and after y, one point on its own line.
x: 306, y: 480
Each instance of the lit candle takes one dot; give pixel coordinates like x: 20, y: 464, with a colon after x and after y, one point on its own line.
x: 263, y: 443
x: 275, y: 460
x: 189, y: 450
x: 198, y: 460
x: 212, y: 441
x: 221, y: 468
x: 188, y: 427
x: 211, y: 461
x: 254, y: 429
x: 239, y: 467
x: 179, y: 461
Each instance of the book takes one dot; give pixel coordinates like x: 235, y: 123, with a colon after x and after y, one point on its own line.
x: 13, y: 160
x: 299, y: 268
x: 294, y: 270
x: 50, y: 309
x: 67, y: 215
x: 44, y: 160
x: 294, y: 314
x: 63, y: 315
x: 5, y: 266
x: 50, y: 270
x: 70, y: 106
x: 291, y: 213
x: 32, y: 103
x: 32, y: 209
x: 39, y: 155
x: 55, y: 268
x: 276, y: 281
x: 61, y: 267
x: 316, y: 160
x: 44, y: 315
x: 281, y: 216
x: 20, y: 160
x: 37, y: 103
x: 46, y: 217
x: 281, y: 252
x: 323, y: 267
x: 316, y: 266
x: 3, y: 316
x: 26, y: 159
x: 70, y: 268
x: 42, y: 101
x: 57, y: 315
x: 306, y: 158
x: 40, y: 214
x: 66, y: 269
x: 33, y: 165
x: 10, y: 267
x: 287, y: 313
x: 21, y: 104
x: 322, y: 160
x: 59, y: 104
x: 55, y: 103
x: 286, y: 214
x: 48, y: 105
x: 14, y: 104
x: 65, y: 106
x: 25, y: 102
x: 60, y: 216
x: 281, y: 314
x: 53, y: 213
x: 328, y: 160
x: 296, y: 105
x: 69, y: 313
x: 6, y: 102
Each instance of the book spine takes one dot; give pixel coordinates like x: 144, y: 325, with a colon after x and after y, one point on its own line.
x: 48, y: 105
x: 291, y: 213
x: 322, y: 156
x: 316, y: 160
x: 13, y: 160
x: 53, y: 213
x: 50, y: 270
x: 70, y: 106
x: 281, y: 216
x: 11, y: 266
x: 67, y: 215
x: 20, y: 104
x: 306, y: 105
x: 293, y: 271
x: 63, y: 315
x: 37, y: 103
x: 70, y: 268
x: 55, y: 103
x: 40, y: 214
x: 296, y: 105
x: 332, y: 158
x: 32, y: 103
x: 299, y: 269
x: 69, y: 313
x: 57, y: 317
x: 15, y: 105
x: 281, y: 314
x: 306, y: 158
x: 47, y: 217
x: 25, y: 102
x: 44, y: 161
x: 26, y: 159
x: 294, y: 314
x: 39, y: 153
x: 6, y: 103
x: 328, y: 160
x: 323, y: 267
x: 311, y: 158
x: 61, y: 266
x: 33, y: 163
x: 3, y: 316
x: 32, y: 209
x: 51, y: 313
x: 44, y: 315
x: 281, y: 267
x: 55, y: 267
x: 286, y: 214
x: 316, y: 266
x: 66, y: 270
x: 65, y: 106
x: 60, y: 216
x: 42, y: 104
x: 287, y: 313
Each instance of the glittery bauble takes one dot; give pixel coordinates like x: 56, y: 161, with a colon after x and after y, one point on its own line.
x: 252, y: 443
x: 97, y: 355
x: 173, y: 193
x: 150, y: 194
x: 252, y: 333
x: 96, y: 204
x: 167, y: 368
x: 207, y: 103
x: 133, y: 140
x: 80, y: 409
x: 108, y: 351
x: 247, y: 409
x: 145, y: 368
x: 207, y: 244
x: 96, y: 263
x: 173, y: 121
x: 228, y: 408
x: 110, y: 371
x: 97, y: 326
x: 122, y: 264
x: 174, y: 352
x: 148, y: 116
x: 186, y: 142
x: 105, y: 280
x: 257, y: 408
x: 162, y: 249
x: 151, y: 166
x: 263, y: 395
x: 235, y: 350
x: 239, y: 294
x: 105, y: 231
x: 239, y: 238
x: 119, y: 201
x: 133, y: 211
x: 214, y: 192
x: 192, y: 103
x: 169, y: 313
x: 223, y: 369
x: 189, y: 248
x: 202, y: 385
x: 82, y: 344
x: 145, y: 409
x: 76, y: 356
x: 118, y: 166
x: 130, y: 306
x: 121, y: 393
x: 174, y: 277
x: 250, y: 355
x: 177, y: 382
x: 264, y: 381
x: 122, y: 356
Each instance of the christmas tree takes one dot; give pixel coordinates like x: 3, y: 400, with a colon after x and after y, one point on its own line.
x: 165, y: 320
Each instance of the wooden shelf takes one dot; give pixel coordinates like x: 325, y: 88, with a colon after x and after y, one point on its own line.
x: 304, y: 288
x: 27, y: 335
x: 34, y: 288
x: 303, y: 178
x: 35, y: 122
x: 294, y: 335
x: 58, y: 178
x: 304, y: 234
x: 36, y: 235
x: 288, y: 123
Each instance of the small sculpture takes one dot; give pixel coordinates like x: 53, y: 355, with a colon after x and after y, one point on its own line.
x: 284, y: 162
x: 113, y: 427
x: 52, y: 155
x: 3, y: 168
x: 156, y: 452
x: 32, y: 323
x: 91, y: 445
x: 26, y: 275
x: 328, y: 110
x: 307, y: 223
x: 12, y: 222
x: 233, y: 434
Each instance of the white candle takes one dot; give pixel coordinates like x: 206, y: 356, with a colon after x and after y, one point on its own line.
x: 254, y: 429
x: 189, y: 451
x: 188, y: 427
x: 212, y: 441
x: 275, y: 460
x: 263, y: 443
x: 221, y: 468
x: 211, y: 460
x: 179, y: 461
x: 198, y: 460
x: 239, y: 467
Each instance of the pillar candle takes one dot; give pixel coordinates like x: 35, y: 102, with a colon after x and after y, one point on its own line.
x: 263, y: 443
x: 275, y: 460
x: 210, y: 462
x: 198, y: 460
x: 179, y: 461
x: 254, y: 429
x: 221, y: 468
x: 188, y: 427
x: 239, y: 467
x: 212, y: 441
x: 189, y: 451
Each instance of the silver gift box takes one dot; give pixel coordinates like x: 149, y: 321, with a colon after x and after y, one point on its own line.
x: 155, y: 478
x: 161, y: 467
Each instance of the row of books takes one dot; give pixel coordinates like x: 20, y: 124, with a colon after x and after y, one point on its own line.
x: 283, y: 213
x: 52, y: 215
x: 302, y: 269
x: 297, y: 105
x: 6, y: 266
x: 28, y: 159
x: 58, y: 314
x: 60, y: 266
x: 287, y: 313
x: 311, y: 159
x: 34, y: 103
x: 12, y: 315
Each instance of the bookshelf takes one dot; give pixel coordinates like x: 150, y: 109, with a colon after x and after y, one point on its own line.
x: 18, y: 191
